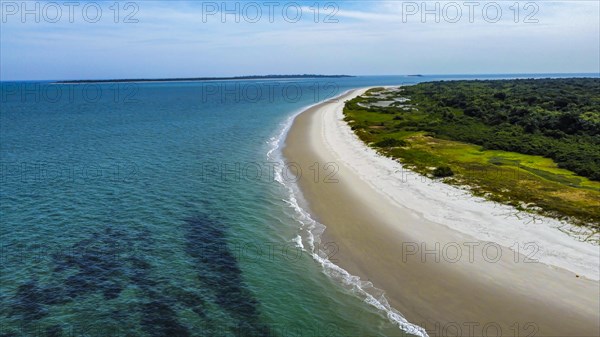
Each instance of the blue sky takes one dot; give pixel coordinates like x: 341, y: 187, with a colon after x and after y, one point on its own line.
x: 189, y: 38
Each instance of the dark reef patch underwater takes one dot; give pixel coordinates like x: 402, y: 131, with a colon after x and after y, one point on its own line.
x: 112, y: 261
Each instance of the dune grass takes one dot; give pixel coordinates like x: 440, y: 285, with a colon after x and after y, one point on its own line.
x: 530, y: 183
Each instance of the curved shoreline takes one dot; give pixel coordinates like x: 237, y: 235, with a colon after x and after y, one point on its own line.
x: 380, y: 240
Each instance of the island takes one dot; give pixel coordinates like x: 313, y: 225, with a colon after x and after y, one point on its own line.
x: 446, y: 199
x: 531, y: 144
x: 205, y: 79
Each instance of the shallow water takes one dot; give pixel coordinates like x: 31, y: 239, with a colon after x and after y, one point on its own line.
x: 155, y: 209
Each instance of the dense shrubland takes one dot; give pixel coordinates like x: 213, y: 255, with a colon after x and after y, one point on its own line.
x: 554, y: 118
x: 533, y: 144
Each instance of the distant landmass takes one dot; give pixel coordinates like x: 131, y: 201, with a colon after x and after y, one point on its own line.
x: 256, y: 77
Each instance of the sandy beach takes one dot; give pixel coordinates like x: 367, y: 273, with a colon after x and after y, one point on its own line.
x: 450, y: 263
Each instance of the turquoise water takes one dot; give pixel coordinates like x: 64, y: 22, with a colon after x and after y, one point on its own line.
x: 159, y: 209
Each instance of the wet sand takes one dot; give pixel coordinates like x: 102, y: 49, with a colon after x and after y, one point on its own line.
x: 443, y: 280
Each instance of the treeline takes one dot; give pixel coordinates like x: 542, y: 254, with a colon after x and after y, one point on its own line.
x: 201, y: 79
x: 554, y: 118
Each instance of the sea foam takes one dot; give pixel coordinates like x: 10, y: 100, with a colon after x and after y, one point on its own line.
x: 310, y: 232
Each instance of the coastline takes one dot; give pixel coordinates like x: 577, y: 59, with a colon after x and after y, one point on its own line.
x: 383, y: 235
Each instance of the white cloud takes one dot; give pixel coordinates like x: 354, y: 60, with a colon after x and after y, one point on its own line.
x: 370, y: 37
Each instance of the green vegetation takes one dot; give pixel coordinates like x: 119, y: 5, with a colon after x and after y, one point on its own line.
x: 201, y: 79
x: 553, y: 118
x: 443, y: 171
x: 391, y: 142
x: 533, y: 144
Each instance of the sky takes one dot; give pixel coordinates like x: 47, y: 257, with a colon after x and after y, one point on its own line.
x: 59, y: 40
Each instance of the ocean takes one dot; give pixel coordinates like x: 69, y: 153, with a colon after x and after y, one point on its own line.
x: 165, y: 209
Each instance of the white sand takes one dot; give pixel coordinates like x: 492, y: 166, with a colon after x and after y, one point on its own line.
x: 537, y: 237
x: 371, y: 216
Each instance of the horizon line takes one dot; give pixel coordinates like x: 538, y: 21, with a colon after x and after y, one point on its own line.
x: 275, y: 76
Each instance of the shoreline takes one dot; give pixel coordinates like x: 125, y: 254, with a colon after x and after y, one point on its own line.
x: 201, y: 79
x: 385, y: 240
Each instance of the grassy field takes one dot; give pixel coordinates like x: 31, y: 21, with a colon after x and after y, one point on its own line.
x: 531, y: 183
